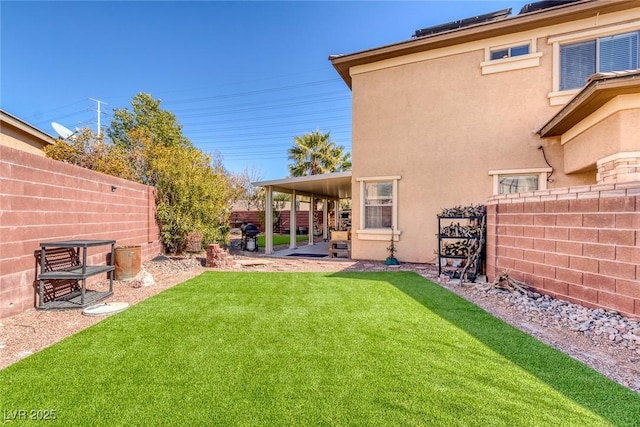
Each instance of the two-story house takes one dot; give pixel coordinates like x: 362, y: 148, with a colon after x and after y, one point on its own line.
x: 501, y: 103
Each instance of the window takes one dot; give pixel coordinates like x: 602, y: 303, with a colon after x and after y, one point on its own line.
x: 580, y: 60
x: 509, y: 52
x: 517, y: 184
x: 379, y: 208
x: 519, y: 180
x: 378, y: 204
x: 511, y: 55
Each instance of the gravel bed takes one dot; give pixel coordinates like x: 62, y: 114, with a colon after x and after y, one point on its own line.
x: 604, y: 340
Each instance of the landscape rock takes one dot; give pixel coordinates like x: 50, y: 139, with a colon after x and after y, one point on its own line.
x: 142, y: 279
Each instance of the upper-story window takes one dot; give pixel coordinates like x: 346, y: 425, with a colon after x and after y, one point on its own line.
x: 580, y: 60
x: 511, y: 55
x: 509, y: 52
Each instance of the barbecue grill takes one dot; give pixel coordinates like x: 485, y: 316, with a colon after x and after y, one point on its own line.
x: 249, y: 237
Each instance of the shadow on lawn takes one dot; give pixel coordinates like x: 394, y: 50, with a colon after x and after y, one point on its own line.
x: 566, y: 375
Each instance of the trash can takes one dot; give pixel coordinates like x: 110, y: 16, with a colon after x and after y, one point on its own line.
x: 194, y: 242
x: 127, y: 262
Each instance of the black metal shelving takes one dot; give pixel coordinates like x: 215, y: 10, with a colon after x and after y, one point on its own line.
x: 461, y: 246
x: 67, y: 264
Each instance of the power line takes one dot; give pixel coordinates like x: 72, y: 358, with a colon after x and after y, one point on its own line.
x: 256, y: 136
x: 237, y: 116
x: 256, y: 106
x: 271, y: 125
x: 253, y: 92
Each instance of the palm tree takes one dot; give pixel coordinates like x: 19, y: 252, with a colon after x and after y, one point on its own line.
x: 313, y: 154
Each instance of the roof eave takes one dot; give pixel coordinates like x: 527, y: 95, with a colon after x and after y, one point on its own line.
x: 597, y: 93
x: 26, y: 127
x: 518, y: 23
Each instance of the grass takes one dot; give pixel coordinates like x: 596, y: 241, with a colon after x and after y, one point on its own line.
x: 311, y: 349
x: 281, y: 239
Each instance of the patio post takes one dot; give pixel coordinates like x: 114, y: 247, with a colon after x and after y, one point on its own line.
x: 312, y: 209
x: 292, y: 221
x: 268, y: 222
x: 325, y: 219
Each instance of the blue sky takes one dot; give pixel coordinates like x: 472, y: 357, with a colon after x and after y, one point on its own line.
x: 242, y: 77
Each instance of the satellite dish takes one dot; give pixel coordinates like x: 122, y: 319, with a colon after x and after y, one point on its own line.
x: 61, y: 130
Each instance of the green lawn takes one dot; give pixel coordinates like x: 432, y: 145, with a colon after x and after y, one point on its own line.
x: 281, y: 239
x: 299, y: 349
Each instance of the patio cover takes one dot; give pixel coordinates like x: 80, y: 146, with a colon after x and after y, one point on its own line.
x: 336, y: 185
x: 329, y: 186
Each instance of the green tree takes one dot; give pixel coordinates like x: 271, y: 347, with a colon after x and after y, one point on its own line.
x: 146, y: 145
x: 193, y: 191
x: 89, y: 150
x: 160, y: 125
x: 314, y: 153
x: 192, y: 196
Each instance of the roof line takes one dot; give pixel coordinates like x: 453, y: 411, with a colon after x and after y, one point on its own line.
x: 516, y: 23
x: 307, y: 178
x: 19, y: 123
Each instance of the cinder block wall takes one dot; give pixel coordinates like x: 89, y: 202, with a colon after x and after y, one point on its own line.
x: 302, y: 219
x: 580, y: 244
x: 43, y: 200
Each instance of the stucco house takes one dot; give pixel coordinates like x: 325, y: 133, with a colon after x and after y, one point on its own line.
x: 500, y: 104
x: 542, y: 98
x: 18, y: 134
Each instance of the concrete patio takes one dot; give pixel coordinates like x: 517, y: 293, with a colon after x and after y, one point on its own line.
x: 317, y: 250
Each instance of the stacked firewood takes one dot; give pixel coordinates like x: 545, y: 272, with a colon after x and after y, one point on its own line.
x: 458, y: 230
x: 463, y: 211
x: 458, y: 248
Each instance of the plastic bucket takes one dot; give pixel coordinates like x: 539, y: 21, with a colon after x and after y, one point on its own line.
x: 127, y: 262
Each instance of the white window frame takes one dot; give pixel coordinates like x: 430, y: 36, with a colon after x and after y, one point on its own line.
x: 558, y: 97
x: 509, y: 51
x: 596, y: 46
x: 379, y: 233
x: 542, y: 174
x: 511, y: 63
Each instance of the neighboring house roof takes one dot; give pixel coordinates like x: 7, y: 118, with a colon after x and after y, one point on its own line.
x: 11, y: 120
x: 600, y: 89
x: 482, y: 30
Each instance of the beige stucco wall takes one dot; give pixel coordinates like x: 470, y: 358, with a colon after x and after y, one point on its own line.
x: 616, y: 133
x: 441, y: 125
x: 12, y: 137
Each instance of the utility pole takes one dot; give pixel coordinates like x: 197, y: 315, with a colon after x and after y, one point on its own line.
x: 99, y: 102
